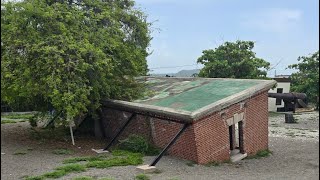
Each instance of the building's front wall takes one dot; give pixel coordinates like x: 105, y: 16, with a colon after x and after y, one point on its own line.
x: 272, y: 101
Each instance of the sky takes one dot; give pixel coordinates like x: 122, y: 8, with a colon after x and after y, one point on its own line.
x: 282, y: 30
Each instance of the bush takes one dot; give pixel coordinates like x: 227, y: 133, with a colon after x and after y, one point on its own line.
x: 138, y: 144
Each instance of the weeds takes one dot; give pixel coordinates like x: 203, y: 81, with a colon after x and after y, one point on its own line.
x: 83, y: 178
x: 260, y: 154
x: 7, y: 121
x: 142, y: 177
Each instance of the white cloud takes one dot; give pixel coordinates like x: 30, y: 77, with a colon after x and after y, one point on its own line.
x: 273, y: 20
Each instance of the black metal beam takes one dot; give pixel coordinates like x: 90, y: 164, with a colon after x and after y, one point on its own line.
x: 169, y: 145
x: 120, y: 131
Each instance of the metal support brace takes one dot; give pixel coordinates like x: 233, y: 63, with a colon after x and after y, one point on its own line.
x: 120, y: 131
x: 169, y: 145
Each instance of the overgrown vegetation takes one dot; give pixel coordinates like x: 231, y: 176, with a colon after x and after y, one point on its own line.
x: 260, y: 154
x: 141, y: 177
x: 138, y: 144
x: 68, y: 55
x: 118, y: 158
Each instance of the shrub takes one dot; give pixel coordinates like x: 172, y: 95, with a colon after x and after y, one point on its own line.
x: 137, y: 144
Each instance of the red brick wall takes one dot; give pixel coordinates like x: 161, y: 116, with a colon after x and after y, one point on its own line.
x: 256, y: 124
x: 184, y: 147
x: 114, y: 119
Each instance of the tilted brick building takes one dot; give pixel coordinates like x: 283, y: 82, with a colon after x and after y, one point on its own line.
x: 223, y: 119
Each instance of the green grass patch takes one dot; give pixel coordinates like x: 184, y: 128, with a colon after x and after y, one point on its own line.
x: 19, y: 153
x: 119, y: 158
x: 106, y: 179
x: 213, y: 163
x: 72, y: 168
x: 34, y: 178
x: 141, y: 177
x: 17, y: 116
x: 260, y: 154
x: 7, y: 121
x: 62, y: 151
x: 86, y: 158
x: 83, y: 178
x: 190, y: 163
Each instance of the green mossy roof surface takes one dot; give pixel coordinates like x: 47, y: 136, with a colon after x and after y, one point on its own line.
x: 191, y: 94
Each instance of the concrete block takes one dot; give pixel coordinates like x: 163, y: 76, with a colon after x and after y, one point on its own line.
x: 236, y: 118
x: 230, y: 121
x: 99, y: 151
x: 146, y: 168
x: 238, y: 157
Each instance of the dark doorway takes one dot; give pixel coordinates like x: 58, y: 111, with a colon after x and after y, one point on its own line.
x: 236, y: 138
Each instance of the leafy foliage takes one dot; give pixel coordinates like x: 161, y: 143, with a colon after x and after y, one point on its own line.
x: 306, y: 80
x: 233, y: 60
x: 67, y: 55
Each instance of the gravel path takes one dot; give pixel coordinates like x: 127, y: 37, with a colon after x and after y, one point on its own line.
x: 294, y: 156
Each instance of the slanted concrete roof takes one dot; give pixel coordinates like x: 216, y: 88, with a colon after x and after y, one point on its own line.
x: 189, y: 99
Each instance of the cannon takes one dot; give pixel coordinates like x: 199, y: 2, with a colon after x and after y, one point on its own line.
x: 291, y: 100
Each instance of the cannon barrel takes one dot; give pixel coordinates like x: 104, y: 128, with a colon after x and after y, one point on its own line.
x: 288, y: 96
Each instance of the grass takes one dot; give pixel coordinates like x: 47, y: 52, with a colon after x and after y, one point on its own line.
x: 213, y: 163
x: 119, y: 158
x: 141, y: 177
x: 83, y: 178
x: 19, y: 153
x: 260, y: 154
x: 17, y: 116
x: 8, y: 121
x: 35, y: 178
x: 190, y: 163
x: 62, y: 151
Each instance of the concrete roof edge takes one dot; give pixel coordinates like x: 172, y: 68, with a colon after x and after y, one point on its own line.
x: 177, y: 114
x: 223, y: 103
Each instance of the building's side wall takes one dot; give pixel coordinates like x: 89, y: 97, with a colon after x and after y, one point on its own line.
x: 255, y: 126
x: 184, y: 147
x: 113, y: 120
x: 272, y: 101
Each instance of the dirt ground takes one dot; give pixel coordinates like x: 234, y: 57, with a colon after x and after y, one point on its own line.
x: 295, y: 155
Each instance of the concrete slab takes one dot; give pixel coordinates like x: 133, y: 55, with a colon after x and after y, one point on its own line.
x: 146, y: 168
x: 99, y: 151
x: 238, y: 157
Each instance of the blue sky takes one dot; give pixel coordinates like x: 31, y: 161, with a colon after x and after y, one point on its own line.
x: 282, y: 30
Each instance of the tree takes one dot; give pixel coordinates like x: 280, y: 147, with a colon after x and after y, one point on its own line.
x: 68, y: 55
x: 306, y: 80
x: 233, y: 60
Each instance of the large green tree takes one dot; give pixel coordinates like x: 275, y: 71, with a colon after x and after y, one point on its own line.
x: 70, y: 54
x: 233, y: 60
x: 306, y: 80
